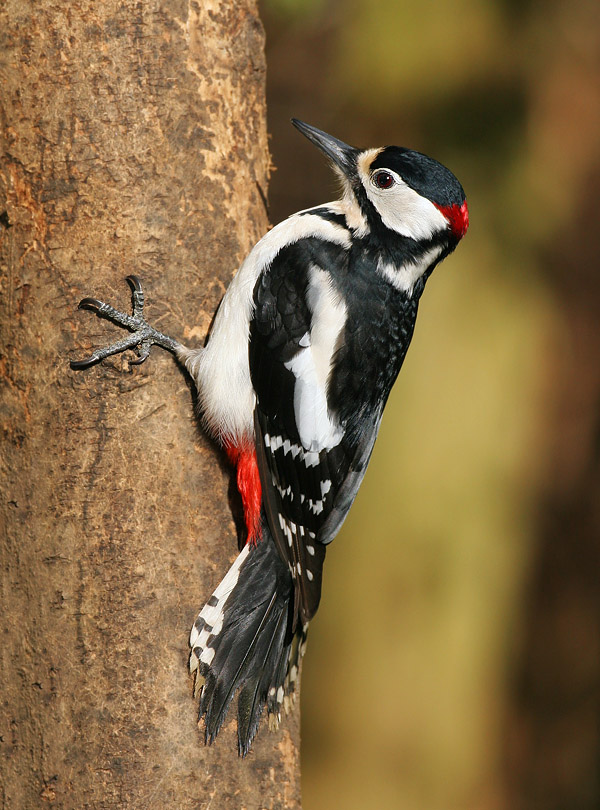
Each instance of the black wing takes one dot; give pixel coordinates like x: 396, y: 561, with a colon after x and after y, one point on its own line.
x: 307, y: 489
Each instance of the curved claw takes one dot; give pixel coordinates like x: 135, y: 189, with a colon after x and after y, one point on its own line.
x: 89, y: 303
x: 78, y: 365
x: 143, y: 352
x: 137, y: 296
x: 143, y: 336
x: 141, y: 359
x: 135, y: 282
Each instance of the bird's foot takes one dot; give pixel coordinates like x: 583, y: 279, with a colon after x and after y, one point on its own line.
x: 144, y: 336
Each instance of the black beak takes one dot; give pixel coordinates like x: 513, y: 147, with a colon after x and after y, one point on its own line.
x: 343, y: 156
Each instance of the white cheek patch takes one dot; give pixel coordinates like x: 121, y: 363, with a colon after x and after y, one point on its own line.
x: 403, y: 210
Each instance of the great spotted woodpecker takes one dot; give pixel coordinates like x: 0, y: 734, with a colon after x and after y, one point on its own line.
x: 304, y: 350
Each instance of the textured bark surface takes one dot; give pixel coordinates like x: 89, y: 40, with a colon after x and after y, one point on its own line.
x: 134, y: 140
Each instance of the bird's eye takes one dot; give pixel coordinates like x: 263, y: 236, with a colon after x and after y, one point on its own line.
x: 383, y: 179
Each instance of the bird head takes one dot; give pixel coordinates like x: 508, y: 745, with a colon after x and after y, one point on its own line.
x: 397, y: 189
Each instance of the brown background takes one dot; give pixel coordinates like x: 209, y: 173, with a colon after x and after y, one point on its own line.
x: 455, y: 660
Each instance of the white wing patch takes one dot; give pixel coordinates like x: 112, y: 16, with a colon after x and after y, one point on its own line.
x: 311, y: 366
x: 221, y: 371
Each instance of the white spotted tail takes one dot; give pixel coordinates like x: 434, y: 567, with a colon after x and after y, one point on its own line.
x: 244, y: 641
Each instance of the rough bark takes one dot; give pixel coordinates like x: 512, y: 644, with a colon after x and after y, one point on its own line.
x: 134, y: 140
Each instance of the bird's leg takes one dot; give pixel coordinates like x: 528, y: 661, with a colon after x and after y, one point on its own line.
x: 144, y: 336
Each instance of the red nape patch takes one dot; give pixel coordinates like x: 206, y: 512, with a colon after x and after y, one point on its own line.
x: 248, y: 484
x: 457, y: 216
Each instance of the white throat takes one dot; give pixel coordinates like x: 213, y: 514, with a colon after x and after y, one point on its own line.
x: 405, y: 276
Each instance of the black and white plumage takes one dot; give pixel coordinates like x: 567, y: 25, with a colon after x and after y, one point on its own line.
x: 304, y: 350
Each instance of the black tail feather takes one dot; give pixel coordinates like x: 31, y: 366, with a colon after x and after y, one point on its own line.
x: 215, y: 701
x: 254, y: 693
x: 243, y: 640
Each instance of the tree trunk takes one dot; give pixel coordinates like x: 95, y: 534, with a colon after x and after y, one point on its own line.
x: 134, y: 142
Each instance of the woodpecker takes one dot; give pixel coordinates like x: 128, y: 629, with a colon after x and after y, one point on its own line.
x: 305, y: 347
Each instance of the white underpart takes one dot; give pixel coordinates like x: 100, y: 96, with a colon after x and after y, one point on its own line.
x: 312, y: 364
x: 400, y: 207
x: 405, y: 277
x: 212, y: 614
x: 221, y: 370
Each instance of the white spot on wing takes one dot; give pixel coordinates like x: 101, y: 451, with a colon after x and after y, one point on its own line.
x: 316, y: 507
x: 286, y: 529
x: 275, y: 442
x: 311, y: 459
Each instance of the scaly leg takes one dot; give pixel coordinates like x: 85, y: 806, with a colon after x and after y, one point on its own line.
x: 144, y: 336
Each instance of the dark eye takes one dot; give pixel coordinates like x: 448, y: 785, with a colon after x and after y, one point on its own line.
x: 383, y: 179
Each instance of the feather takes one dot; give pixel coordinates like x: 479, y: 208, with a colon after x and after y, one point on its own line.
x: 232, y: 645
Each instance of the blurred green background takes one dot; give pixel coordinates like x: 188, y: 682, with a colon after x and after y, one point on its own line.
x: 455, y: 660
